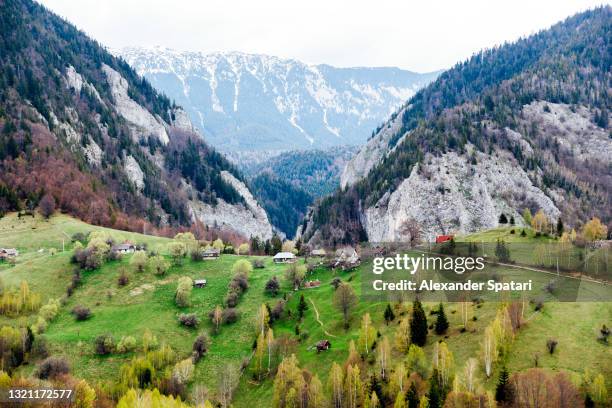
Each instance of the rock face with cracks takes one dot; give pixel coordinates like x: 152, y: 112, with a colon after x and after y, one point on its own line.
x: 448, y: 194
x: 250, y: 218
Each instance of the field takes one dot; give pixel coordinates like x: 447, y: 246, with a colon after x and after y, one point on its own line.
x: 147, y: 302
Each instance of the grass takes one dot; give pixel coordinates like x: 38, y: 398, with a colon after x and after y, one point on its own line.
x: 147, y: 302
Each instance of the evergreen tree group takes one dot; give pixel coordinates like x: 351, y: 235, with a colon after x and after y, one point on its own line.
x: 441, y: 321
x: 418, y: 324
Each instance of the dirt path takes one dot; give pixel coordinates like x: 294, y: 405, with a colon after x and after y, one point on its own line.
x: 319, y: 320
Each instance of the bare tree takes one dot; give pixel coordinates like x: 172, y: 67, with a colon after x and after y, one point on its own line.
x: 344, y: 300
x: 411, y: 229
x: 47, y: 205
x: 227, y: 384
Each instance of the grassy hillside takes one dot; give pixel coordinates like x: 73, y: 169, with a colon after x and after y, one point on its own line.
x: 147, y: 302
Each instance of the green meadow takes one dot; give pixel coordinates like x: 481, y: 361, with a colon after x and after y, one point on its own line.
x: 147, y: 302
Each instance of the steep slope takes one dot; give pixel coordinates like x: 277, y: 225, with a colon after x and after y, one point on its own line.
x: 82, y: 126
x: 256, y: 102
x: 284, y: 202
x: 315, y: 171
x: 524, y: 125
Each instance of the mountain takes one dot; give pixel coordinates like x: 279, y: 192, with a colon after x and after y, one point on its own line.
x: 246, y: 102
x: 523, y: 125
x: 80, y: 126
x: 288, y: 183
x: 315, y: 171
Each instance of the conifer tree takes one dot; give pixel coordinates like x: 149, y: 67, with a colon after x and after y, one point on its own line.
x: 389, y: 315
x: 418, y: 324
x: 302, y: 307
x: 412, y: 396
x: 503, y: 390
x: 435, y: 399
x: 441, y: 321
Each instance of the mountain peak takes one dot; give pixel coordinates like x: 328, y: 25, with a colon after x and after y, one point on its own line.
x: 251, y: 102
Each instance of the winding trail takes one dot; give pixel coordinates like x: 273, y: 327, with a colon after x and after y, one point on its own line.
x: 319, y: 320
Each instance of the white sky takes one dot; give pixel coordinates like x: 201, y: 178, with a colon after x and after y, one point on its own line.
x: 418, y: 35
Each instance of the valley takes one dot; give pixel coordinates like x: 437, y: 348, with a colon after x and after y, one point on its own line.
x: 146, y: 304
x: 197, y: 229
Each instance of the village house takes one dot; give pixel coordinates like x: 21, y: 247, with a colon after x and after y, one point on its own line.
x: 323, y: 345
x: 444, y: 238
x: 125, y: 248
x: 285, y: 257
x: 211, y: 253
x: 6, y: 253
x: 346, y: 258
x: 199, y: 283
x: 318, y: 253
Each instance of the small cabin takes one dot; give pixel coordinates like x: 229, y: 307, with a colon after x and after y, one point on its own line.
x: 323, y: 345
x: 6, y: 253
x: 125, y: 248
x: 285, y: 257
x: 211, y: 253
x: 318, y: 253
x: 444, y: 238
x: 199, y: 283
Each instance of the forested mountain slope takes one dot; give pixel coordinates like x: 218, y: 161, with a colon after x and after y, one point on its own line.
x: 523, y: 125
x: 80, y: 125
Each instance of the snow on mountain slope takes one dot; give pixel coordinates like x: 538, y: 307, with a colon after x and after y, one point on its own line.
x: 256, y: 102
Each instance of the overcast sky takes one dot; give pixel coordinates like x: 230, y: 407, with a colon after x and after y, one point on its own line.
x: 418, y: 35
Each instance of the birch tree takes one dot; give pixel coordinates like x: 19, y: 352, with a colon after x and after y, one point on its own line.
x: 367, y: 334
x: 384, y: 356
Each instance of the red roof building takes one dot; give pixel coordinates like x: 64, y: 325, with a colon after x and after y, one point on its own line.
x: 443, y: 238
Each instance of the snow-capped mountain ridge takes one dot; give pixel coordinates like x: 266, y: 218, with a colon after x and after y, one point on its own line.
x: 258, y: 102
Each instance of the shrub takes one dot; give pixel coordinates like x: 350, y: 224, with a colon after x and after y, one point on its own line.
x: 197, y: 256
x: 52, y: 367
x: 258, y: 263
x: 49, y: 311
x: 230, y: 315
x: 158, y: 265
x: 242, y: 266
x: 239, y: 282
x: 336, y: 282
x: 40, y: 347
x: 272, y: 286
x: 551, y: 345
x: 200, y: 347
x: 104, y: 344
x: 183, y: 371
x: 604, y: 333
x: 126, y: 344
x: 139, y: 261
x: 231, y: 299
x: 277, y: 311
x: 243, y: 249
x: 188, y: 319
x: 183, y: 291
x: 79, y: 237
x: 123, y: 279
x: 88, y: 258
x: 81, y: 312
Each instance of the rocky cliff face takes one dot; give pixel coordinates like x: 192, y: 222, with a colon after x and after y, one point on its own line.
x: 372, y: 153
x: 249, y: 219
x: 450, y: 195
x: 246, y: 102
